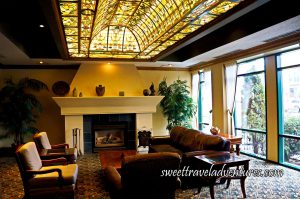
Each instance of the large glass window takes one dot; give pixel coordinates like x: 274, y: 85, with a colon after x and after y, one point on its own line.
x: 250, y: 110
x: 205, y: 101
x: 288, y: 65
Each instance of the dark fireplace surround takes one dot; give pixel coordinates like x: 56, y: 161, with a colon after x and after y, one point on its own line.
x: 109, y: 131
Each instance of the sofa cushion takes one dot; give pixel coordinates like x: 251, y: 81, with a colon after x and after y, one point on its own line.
x: 69, y: 173
x: 176, y: 134
x: 164, y: 148
x: 188, y: 140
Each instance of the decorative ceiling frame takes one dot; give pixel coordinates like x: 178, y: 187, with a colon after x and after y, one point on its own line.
x: 133, y: 29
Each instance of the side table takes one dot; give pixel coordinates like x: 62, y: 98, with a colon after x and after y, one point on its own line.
x: 234, y: 140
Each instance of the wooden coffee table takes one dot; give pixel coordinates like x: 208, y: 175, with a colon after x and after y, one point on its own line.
x: 218, y: 161
x: 114, y: 157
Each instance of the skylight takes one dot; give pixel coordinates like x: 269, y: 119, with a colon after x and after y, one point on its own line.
x: 133, y: 29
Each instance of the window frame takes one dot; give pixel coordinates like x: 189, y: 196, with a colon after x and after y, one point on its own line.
x: 266, y: 112
x: 280, y: 115
x: 201, y: 81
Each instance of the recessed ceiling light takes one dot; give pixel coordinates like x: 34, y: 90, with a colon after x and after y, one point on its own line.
x: 42, y: 26
x: 41, y: 62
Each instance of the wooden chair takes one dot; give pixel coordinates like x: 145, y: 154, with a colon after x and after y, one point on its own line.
x: 41, y: 180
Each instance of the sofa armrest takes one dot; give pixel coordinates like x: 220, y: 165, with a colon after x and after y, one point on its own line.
x: 160, y: 140
x: 113, y: 180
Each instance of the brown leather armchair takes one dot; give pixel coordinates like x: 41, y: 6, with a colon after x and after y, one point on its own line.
x: 141, y: 177
x: 42, y: 181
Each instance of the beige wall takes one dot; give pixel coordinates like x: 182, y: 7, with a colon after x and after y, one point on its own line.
x: 50, y: 119
x: 156, y: 76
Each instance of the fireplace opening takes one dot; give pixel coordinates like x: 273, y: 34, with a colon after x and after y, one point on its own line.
x: 109, y: 132
x: 109, y: 136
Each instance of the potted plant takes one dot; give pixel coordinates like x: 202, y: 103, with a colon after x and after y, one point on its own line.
x: 177, y: 105
x: 19, y: 108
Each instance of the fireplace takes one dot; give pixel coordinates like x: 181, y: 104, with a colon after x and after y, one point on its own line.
x: 112, y: 135
x: 84, y: 112
x: 109, y: 131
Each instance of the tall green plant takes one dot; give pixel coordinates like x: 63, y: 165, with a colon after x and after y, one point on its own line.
x: 19, y: 108
x: 177, y: 105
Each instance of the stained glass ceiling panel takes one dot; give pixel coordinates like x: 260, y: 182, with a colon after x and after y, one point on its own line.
x: 133, y: 29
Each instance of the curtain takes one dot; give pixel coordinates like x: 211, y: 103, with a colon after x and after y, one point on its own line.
x: 230, y: 85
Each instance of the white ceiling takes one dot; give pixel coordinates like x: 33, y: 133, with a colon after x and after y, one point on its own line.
x: 10, y: 54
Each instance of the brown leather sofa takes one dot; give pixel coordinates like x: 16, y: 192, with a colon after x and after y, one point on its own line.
x: 140, y: 177
x: 188, y: 143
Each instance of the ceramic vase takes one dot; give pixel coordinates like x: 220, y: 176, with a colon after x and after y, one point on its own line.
x: 100, y: 90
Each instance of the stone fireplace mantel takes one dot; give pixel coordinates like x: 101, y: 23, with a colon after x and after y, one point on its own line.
x: 74, y: 108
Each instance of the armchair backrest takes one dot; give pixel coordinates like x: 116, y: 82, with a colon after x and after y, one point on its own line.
x: 29, y: 157
x: 142, y: 175
x: 41, y: 140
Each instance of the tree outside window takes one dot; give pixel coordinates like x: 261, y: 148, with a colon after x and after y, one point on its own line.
x: 250, y: 111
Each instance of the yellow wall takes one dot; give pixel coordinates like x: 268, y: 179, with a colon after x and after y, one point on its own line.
x: 114, y: 77
x: 218, y: 97
x: 149, y: 76
x: 272, y: 120
x: 117, y: 77
x: 50, y: 119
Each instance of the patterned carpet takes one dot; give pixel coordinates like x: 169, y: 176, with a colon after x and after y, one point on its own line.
x: 90, y: 182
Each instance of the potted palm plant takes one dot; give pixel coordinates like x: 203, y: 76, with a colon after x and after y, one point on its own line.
x: 19, y: 108
x: 177, y: 105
